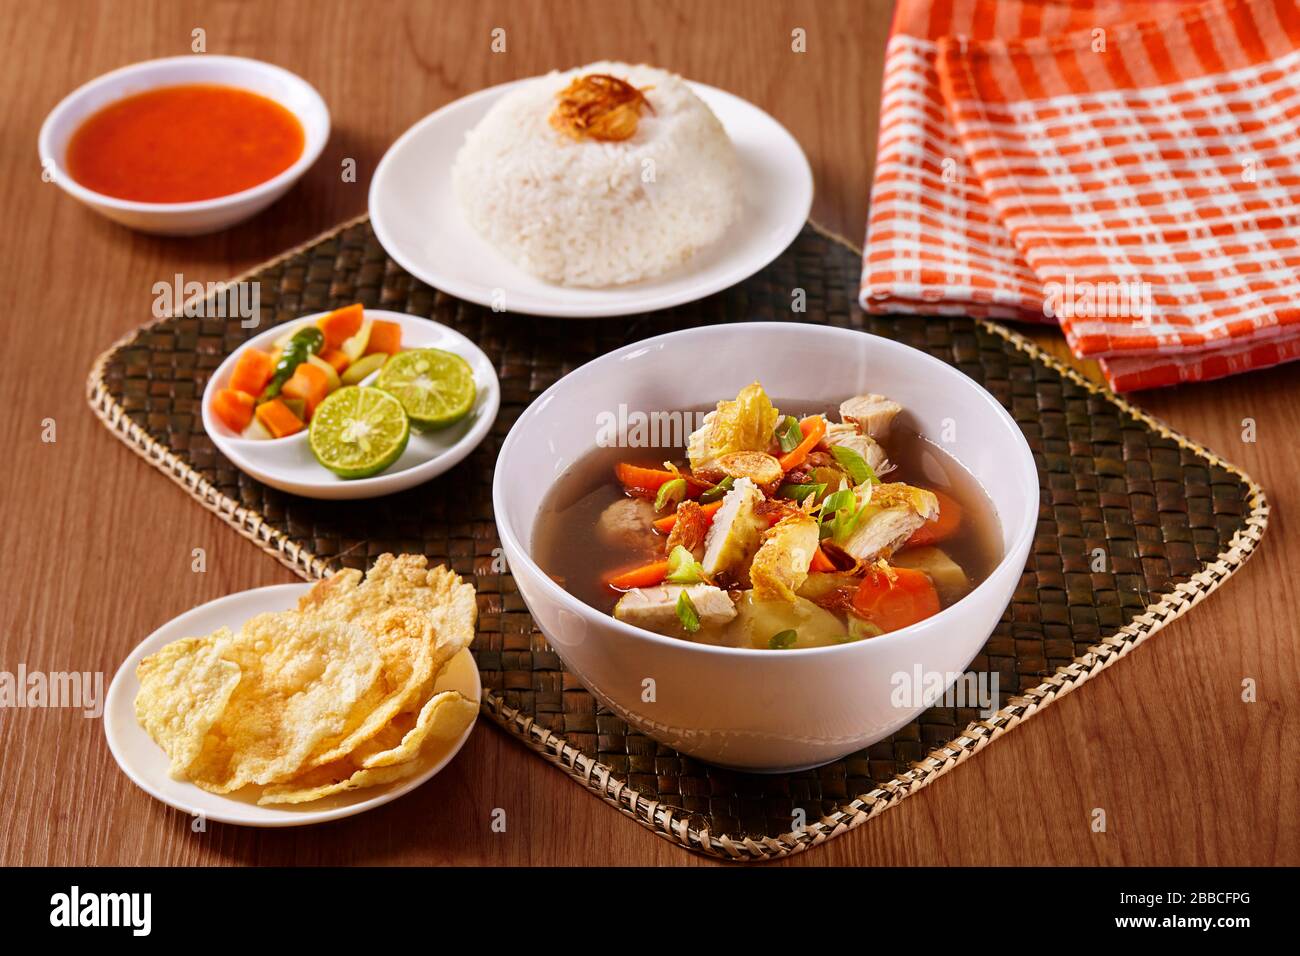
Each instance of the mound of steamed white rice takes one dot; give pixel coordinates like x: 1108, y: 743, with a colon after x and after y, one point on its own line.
x: 593, y: 213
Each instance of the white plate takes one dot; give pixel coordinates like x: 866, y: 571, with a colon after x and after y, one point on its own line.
x: 288, y: 464
x: 145, y: 763
x: 418, y: 221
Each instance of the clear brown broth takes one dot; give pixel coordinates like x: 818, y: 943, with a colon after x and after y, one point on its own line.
x: 566, y: 546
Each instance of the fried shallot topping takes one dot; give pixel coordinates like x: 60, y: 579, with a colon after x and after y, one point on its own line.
x: 690, y: 529
x: 599, y: 106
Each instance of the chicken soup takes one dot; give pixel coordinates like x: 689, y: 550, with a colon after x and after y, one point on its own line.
x: 774, y: 528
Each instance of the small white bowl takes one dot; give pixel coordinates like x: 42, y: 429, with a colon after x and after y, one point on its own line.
x: 756, y: 709
x: 418, y: 221
x: 206, y: 215
x: 288, y: 464
x: 145, y: 763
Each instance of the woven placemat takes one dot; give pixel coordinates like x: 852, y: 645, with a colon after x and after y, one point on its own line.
x: 1173, y: 519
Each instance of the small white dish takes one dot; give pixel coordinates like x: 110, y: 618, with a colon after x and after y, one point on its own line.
x: 207, y: 215
x: 418, y: 221
x: 146, y: 764
x: 288, y: 464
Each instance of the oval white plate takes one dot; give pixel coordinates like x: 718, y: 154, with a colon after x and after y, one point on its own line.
x: 145, y: 763
x: 418, y: 222
x: 288, y: 464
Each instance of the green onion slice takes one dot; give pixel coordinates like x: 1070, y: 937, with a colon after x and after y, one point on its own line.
x: 839, y: 501
x: 800, y: 492
x: 855, y: 465
x: 789, y: 434
x: 839, y: 515
x: 846, y: 522
x: 683, y: 568
x: 670, y: 492
x: 783, y: 639
x: 687, y: 614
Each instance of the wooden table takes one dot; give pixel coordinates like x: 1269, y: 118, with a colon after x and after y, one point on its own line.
x: 98, y: 545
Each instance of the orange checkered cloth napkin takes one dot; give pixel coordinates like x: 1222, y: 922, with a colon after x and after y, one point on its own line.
x: 1135, y: 180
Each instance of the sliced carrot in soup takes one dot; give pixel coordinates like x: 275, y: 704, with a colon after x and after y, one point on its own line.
x: 820, y: 562
x: 646, y: 576
x: 941, y: 528
x: 814, y: 429
x: 897, y: 598
x: 645, y: 482
x: 665, y: 525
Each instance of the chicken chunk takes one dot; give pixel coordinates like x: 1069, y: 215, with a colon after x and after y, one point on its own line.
x: 629, y: 523
x: 872, y: 414
x: 734, y: 535
x: 894, y: 511
x: 655, y: 609
x: 872, y: 452
x: 781, y: 564
x: 894, y: 494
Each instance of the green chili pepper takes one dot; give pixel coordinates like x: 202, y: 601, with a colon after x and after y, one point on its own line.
x: 717, y: 491
x: 308, y: 341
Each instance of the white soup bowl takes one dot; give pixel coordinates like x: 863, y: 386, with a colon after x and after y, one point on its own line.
x: 762, y: 710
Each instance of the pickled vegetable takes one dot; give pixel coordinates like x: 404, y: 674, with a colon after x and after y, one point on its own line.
x: 304, y: 342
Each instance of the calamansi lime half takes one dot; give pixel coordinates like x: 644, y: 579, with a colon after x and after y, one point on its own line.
x: 435, y: 387
x: 358, y: 431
